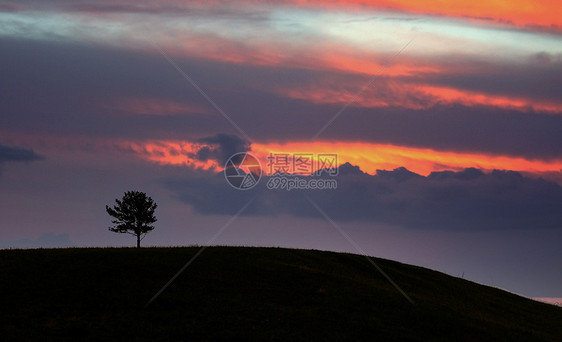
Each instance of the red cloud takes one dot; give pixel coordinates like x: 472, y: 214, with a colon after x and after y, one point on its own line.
x: 389, y: 93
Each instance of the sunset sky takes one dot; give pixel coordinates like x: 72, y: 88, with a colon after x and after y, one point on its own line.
x: 445, y: 116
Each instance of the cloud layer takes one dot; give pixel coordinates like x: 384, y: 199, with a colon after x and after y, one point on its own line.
x: 465, y: 200
x: 66, y: 79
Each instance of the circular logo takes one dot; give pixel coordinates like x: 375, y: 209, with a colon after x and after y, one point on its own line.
x: 242, y: 171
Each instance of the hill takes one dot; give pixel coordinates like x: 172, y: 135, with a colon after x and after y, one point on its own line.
x: 251, y: 294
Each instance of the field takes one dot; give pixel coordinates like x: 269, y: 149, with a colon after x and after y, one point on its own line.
x: 248, y: 293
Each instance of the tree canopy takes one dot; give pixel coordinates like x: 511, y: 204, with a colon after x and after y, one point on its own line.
x: 134, y: 214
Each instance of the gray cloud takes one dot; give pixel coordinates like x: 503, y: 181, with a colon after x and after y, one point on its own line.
x: 464, y: 200
x: 16, y: 154
x: 10, y: 154
x: 219, y: 147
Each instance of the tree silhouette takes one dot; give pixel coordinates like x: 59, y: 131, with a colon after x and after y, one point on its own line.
x: 133, y: 215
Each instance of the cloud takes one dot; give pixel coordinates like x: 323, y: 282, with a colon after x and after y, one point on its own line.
x: 465, y: 200
x: 10, y: 154
x: 521, y: 14
x: 16, y: 154
x: 46, y: 240
x: 50, y: 77
x: 219, y: 148
x: 395, y: 93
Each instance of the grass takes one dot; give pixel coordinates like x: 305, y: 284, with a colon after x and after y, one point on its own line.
x: 231, y: 293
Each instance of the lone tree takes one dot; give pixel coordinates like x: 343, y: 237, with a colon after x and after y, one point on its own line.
x: 133, y: 215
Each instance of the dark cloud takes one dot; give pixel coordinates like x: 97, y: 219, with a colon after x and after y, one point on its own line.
x: 219, y: 148
x: 9, y: 154
x: 16, y: 154
x: 464, y: 200
x: 46, y: 240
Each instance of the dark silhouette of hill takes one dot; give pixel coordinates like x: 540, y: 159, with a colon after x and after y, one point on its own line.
x: 244, y: 293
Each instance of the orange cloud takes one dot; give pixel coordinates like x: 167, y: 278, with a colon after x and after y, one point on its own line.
x: 392, y: 92
x: 401, y: 94
x: 470, y: 98
x: 367, y: 63
x: 368, y: 156
x: 171, y: 153
x: 523, y: 13
x: 324, y: 56
x: 387, y: 93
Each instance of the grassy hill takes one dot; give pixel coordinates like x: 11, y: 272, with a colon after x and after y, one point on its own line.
x: 251, y: 294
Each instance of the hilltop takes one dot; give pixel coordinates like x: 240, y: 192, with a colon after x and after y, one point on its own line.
x: 251, y: 293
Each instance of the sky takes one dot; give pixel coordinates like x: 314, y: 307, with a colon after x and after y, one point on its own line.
x: 443, y: 118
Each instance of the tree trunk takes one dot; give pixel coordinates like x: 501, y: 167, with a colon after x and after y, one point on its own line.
x: 138, y: 240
